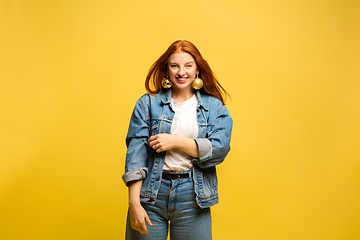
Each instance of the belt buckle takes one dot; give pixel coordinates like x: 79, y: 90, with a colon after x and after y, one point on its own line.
x: 177, y: 176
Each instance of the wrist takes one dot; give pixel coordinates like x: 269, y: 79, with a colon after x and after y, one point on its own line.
x: 180, y: 141
x: 134, y: 202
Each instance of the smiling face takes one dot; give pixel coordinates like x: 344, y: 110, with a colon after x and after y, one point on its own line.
x: 182, y: 71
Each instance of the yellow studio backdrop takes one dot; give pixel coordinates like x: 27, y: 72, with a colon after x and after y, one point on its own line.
x: 71, y: 71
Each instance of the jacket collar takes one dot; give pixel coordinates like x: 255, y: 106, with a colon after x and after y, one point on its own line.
x: 200, y: 101
x: 166, y: 98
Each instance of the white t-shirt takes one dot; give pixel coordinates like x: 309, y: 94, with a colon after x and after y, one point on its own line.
x: 184, y: 124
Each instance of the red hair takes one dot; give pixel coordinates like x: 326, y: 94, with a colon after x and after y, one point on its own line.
x: 158, y: 71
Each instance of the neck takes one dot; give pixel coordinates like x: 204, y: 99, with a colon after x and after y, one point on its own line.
x: 182, y: 96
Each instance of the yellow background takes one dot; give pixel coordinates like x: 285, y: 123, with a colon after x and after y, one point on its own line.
x: 71, y: 71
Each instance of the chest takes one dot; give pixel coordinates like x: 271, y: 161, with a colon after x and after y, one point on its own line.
x: 162, y: 121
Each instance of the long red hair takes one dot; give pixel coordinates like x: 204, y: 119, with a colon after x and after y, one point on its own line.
x: 158, y: 71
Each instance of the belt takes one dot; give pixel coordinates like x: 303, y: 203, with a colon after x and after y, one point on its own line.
x: 175, y: 176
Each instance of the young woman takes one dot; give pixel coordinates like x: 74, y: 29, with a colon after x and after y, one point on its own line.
x: 178, y: 133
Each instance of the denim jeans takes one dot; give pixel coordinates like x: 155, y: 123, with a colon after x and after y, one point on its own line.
x: 176, y: 203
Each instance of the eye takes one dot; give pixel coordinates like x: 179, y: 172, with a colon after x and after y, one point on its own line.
x: 173, y: 65
x: 189, y: 65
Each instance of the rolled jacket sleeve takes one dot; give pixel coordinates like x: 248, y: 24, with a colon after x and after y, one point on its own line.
x: 214, y: 148
x: 205, y: 148
x: 135, y: 175
x: 136, y: 140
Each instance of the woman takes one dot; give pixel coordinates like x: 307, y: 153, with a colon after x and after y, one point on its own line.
x: 178, y: 133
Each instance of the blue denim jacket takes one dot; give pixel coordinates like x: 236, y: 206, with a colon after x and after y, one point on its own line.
x: 153, y: 115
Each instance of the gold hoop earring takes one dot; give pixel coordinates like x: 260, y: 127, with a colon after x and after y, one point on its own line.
x: 197, y: 83
x: 166, y: 83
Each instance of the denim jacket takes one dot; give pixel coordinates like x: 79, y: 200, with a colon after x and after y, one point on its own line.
x: 153, y: 115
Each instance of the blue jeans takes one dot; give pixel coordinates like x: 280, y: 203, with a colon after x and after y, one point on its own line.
x: 176, y: 203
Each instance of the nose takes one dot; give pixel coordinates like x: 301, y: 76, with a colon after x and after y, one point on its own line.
x: 181, y: 71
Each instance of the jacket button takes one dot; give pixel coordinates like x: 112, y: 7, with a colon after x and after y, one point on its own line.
x: 151, y: 199
x: 170, y: 118
x: 157, y: 179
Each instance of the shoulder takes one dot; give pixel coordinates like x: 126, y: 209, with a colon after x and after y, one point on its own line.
x: 148, y: 100
x: 214, y: 106
x: 212, y: 99
x: 211, y: 102
x: 147, y: 97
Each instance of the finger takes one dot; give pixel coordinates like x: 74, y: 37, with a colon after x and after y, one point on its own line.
x: 139, y: 228
x: 148, y: 221
x: 143, y: 229
x: 134, y: 227
x: 153, y: 142
x: 152, y: 138
x: 157, y: 145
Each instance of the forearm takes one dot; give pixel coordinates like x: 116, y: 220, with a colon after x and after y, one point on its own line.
x: 163, y: 142
x: 188, y: 145
x: 134, y: 192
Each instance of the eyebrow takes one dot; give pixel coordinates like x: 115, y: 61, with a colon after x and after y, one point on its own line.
x: 185, y: 63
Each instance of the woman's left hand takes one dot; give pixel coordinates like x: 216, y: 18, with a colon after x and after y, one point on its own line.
x: 163, y: 142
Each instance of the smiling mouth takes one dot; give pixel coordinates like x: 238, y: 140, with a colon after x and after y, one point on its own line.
x: 181, y: 79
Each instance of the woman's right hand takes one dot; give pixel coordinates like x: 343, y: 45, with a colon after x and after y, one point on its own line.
x: 139, y: 218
